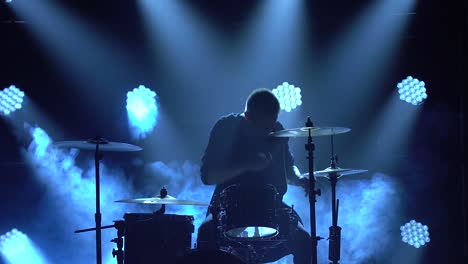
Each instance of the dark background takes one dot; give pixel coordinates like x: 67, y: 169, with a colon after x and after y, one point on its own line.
x: 433, y: 45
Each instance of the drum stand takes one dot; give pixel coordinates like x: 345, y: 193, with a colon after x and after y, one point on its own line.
x: 120, y: 226
x: 335, y: 230
x: 97, y: 216
x: 310, y: 147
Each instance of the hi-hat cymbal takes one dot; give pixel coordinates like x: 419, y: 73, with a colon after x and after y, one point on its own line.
x: 104, y: 145
x: 339, y: 171
x: 158, y: 200
x: 315, y: 131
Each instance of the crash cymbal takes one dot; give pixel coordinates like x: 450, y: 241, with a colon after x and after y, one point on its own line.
x: 158, y: 200
x: 104, y: 145
x: 315, y: 131
x: 339, y: 171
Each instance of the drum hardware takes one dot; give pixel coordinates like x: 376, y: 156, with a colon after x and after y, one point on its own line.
x: 119, y: 253
x: 310, y: 147
x: 314, y: 131
x: 333, y: 173
x: 310, y: 131
x: 98, y: 144
x: 120, y: 226
x: 334, y: 239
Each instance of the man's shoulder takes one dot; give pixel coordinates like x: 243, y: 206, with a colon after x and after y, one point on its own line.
x: 230, y: 119
x: 227, y: 122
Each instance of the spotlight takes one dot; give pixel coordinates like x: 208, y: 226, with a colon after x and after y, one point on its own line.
x: 11, y: 99
x: 412, y: 91
x: 415, y: 234
x: 16, y: 247
x: 288, y: 96
x: 8, y: 1
x: 142, y: 109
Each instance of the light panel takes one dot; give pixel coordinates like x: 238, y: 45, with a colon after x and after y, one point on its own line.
x: 415, y: 234
x: 288, y: 96
x: 142, y: 111
x: 11, y: 100
x: 412, y: 90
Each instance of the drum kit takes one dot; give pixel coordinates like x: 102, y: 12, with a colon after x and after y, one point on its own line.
x: 159, y: 237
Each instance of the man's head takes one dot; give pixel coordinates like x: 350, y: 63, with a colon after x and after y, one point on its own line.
x: 261, y: 109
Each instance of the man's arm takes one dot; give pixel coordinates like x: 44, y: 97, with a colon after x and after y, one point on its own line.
x: 217, y: 153
x: 293, y: 175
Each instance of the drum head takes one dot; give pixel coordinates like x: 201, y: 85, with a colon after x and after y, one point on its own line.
x: 252, y: 232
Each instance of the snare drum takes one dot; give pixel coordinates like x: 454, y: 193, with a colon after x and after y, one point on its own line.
x: 248, y: 214
x: 156, y: 237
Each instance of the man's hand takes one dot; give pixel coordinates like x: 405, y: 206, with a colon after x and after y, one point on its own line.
x: 304, y: 183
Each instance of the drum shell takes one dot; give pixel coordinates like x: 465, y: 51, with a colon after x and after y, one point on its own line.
x: 151, y: 237
x: 209, y: 256
x: 242, y: 206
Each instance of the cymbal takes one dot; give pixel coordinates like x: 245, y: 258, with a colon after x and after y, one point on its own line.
x: 104, y: 145
x: 315, y: 131
x: 158, y: 200
x: 339, y: 171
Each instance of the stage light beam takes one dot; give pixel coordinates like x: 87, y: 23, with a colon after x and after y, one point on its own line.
x: 142, y: 110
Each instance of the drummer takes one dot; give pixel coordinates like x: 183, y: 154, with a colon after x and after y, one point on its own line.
x: 240, y: 152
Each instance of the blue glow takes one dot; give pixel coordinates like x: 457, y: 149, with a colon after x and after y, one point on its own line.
x: 11, y: 100
x: 8, y: 1
x: 142, y: 110
x: 412, y: 91
x: 288, y: 96
x: 17, y: 248
x: 71, y: 197
x: 363, y: 206
x: 360, y: 210
x: 415, y: 234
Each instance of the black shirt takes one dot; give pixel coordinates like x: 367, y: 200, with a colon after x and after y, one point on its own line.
x: 231, y: 142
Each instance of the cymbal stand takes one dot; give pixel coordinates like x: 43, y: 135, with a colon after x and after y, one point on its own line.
x: 310, y: 147
x: 97, y: 216
x: 334, y: 239
x: 120, y: 226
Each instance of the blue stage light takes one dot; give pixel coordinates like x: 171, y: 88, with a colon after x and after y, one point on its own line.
x: 415, y: 234
x: 16, y: 247
x: 412, y: 91
x: 142, y: 110
x: 11, y: 99
x: 288, y: 96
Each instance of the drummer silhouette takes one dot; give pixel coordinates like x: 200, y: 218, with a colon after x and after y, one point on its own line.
x: 251, y: 171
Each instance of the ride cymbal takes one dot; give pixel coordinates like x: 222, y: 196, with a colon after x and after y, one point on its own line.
x: 315, y: 131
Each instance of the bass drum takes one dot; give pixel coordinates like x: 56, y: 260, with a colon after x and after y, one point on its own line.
x: 209, y: 256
